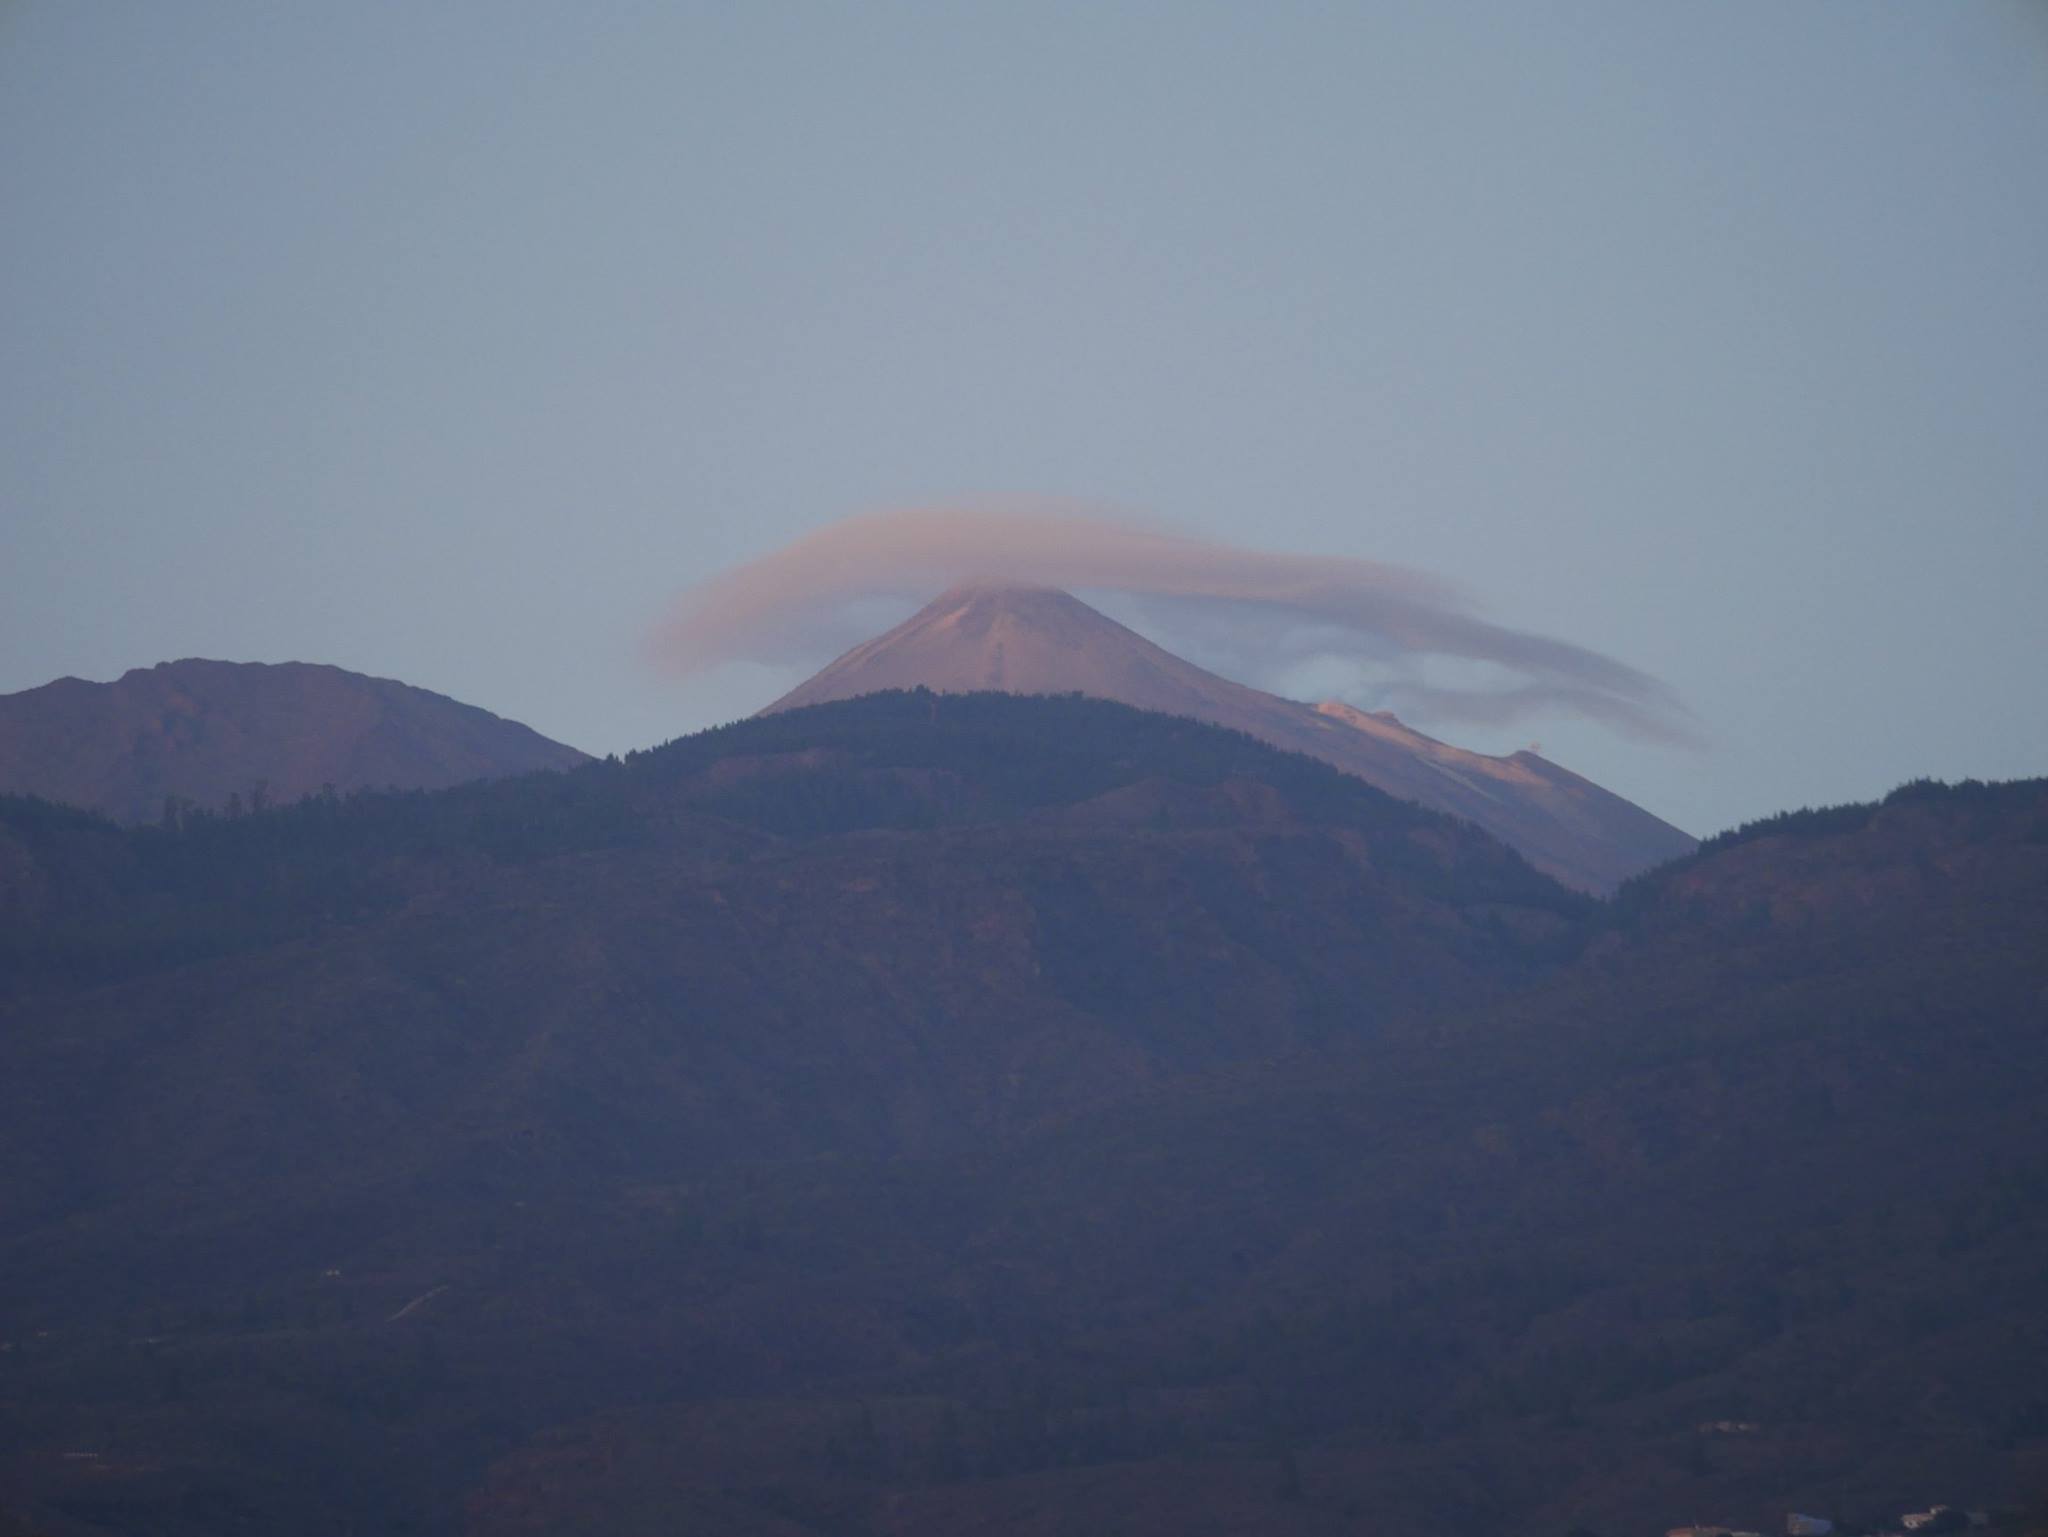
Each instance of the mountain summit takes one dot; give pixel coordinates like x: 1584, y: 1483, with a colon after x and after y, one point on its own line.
x: 1034, y: 640
x: 1022, y: 640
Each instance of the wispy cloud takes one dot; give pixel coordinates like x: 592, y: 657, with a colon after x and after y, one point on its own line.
x: 1247, y: 612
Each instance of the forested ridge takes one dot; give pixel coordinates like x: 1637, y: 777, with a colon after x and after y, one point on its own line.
x: 978, y: 1113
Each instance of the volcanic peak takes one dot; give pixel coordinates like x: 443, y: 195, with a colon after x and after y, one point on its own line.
x: 986, y: 635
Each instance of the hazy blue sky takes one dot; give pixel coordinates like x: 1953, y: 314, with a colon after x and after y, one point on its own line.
x: 447, y: 342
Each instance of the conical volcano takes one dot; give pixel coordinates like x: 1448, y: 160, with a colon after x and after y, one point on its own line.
x: 1035, y: 640
x: 1023, y: 640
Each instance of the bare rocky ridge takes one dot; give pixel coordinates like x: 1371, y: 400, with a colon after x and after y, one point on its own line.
x: 1041, y: 641
x: 204, y: 730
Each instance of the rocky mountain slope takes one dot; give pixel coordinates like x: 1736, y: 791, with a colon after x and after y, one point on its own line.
x: 1038, y: 641
x: 201, y: 731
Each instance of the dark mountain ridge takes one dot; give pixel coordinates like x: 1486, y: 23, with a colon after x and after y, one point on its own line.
x: 114, y: 901
x: 1058, y: 883
x: 989, y: 1113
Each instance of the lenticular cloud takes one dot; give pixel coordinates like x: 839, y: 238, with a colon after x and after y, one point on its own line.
x: 1251, y: 613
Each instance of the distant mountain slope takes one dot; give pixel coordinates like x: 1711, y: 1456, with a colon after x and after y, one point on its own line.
x: 203, y: 731
x: 1038, y: 641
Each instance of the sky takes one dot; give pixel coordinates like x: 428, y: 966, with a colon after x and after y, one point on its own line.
x: 453, y: 343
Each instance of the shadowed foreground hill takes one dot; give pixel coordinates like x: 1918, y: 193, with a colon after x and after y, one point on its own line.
x: 1009, y: 1115
x: 201, y: 731
x: 1767, y: 1157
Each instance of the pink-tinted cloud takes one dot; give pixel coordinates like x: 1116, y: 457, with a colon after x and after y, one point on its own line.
x: 1253, y: 610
